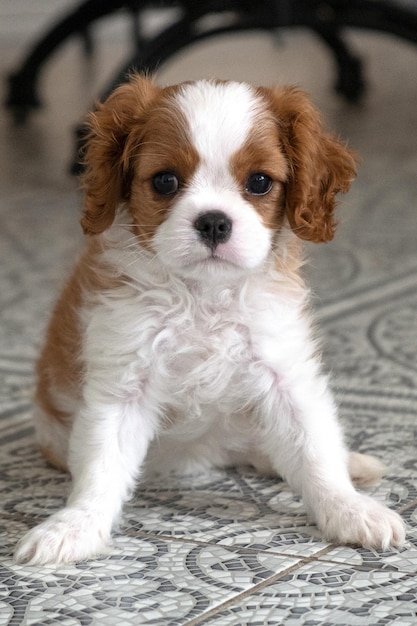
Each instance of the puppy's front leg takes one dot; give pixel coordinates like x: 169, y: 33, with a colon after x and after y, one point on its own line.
x: 305, y: 445
x: 107, y: 446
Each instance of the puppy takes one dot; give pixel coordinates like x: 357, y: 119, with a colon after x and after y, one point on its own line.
x: 182, y: 339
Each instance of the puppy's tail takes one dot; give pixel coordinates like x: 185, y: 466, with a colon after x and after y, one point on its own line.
x: 365, y: 470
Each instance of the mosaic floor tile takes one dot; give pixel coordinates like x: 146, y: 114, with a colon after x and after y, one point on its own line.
x: 233, y: 508
x: 403, y: 559
x: 143, y: 582
x: 328, y: 594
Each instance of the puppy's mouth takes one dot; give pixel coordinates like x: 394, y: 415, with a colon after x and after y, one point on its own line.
x: 215, y: 257
x: 213, y: 261
x: 220, y: 258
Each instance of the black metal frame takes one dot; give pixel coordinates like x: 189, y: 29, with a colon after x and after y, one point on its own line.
x: 328, y: 18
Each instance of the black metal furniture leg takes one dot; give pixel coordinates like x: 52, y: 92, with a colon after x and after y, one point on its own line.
x: 350, y: 82
x: 23, y: 84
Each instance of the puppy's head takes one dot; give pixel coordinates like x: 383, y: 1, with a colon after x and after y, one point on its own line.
x: 211, y: 171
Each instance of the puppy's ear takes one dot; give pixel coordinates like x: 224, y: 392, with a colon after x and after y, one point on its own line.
x: 106, y: 180
x: 319, y: 165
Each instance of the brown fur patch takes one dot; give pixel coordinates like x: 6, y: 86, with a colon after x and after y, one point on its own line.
x: 138, y: 132
x: 262, y: 154
x: 319, y: 165
x: 107, y: 177
x: 164, y: 146
x: 60, y: 367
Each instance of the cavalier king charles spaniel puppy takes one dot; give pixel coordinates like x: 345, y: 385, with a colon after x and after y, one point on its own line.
x: 182, y: 339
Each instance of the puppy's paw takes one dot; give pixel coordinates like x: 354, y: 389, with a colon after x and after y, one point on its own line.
x: 67, y: 536
x: 360, y: 520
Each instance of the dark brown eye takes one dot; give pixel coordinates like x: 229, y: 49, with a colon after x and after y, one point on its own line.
x: 165, y: 183
x: 259, y: 184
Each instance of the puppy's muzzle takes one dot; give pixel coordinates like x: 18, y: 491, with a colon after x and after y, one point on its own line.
x: 213, y: 227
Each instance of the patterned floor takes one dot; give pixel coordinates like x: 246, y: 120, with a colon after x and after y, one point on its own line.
x: 229, y: 548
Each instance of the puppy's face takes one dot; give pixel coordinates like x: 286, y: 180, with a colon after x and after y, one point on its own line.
x: 210, y: 171
x: 207, y: 188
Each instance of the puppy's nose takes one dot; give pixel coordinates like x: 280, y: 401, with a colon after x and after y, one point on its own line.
x: 214, y: 227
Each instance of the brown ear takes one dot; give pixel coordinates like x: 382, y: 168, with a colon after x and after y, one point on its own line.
x: 319, y: 165
x: 107, y: 158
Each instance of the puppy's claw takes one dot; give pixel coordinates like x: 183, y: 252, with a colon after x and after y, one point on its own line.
x: 361, y: 521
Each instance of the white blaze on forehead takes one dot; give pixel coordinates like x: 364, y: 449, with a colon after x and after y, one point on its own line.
x: 220, y: 119
x: 220, y: 116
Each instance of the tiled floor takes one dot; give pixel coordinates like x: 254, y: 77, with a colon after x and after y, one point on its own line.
x: 229, y: 548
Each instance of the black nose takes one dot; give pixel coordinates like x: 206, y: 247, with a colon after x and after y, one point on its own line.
x: 214, y: 227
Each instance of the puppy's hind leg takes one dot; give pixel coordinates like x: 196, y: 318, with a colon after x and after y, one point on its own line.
x: 52, y: 436
x: 364, y: 469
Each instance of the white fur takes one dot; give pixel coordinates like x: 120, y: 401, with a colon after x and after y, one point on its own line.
x: 200, y: 361
x: 220, y: 118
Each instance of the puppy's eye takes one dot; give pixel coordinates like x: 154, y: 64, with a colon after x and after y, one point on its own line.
x: 259, y: 184
x: 165, y: 183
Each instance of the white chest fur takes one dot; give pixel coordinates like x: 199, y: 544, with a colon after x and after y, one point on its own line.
x: 189, y: 346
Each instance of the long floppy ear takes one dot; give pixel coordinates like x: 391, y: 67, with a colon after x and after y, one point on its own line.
x: 107, y: 159
x: 319, y: 165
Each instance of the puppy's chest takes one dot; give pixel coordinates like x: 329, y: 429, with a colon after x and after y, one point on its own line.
x: 186, y: 350
x: 193, y: 349
x: 204, y: 351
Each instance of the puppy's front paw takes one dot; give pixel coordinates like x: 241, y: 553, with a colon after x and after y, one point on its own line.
x: 67, y: 536
x: 360, y: 520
